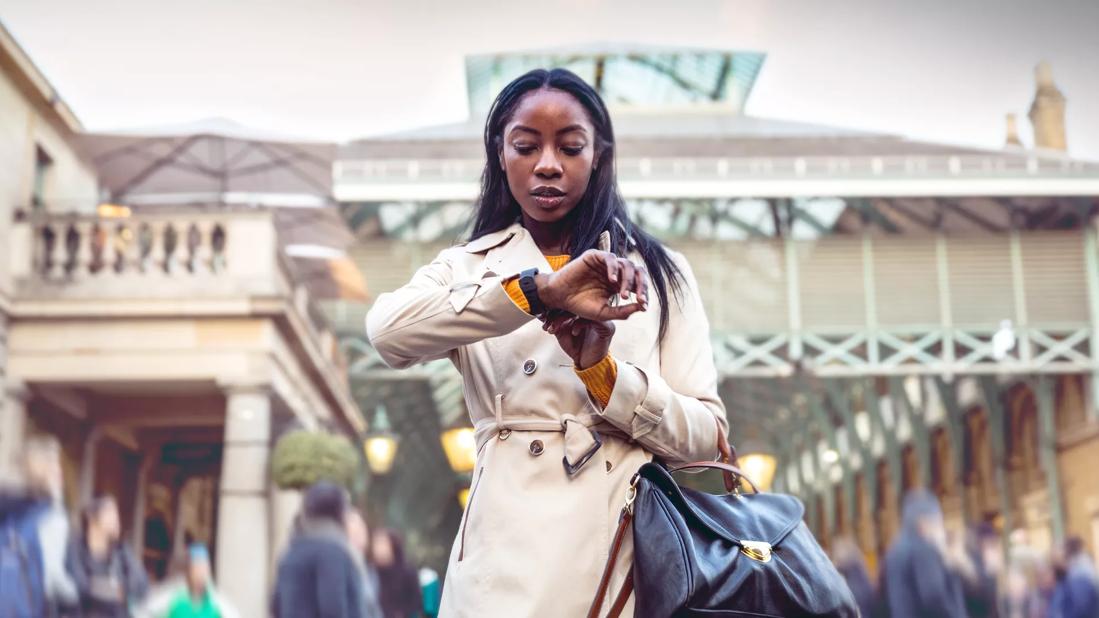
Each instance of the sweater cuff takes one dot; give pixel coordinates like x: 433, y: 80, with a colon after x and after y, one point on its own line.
x: 511, y: 286
x: 599, y: 379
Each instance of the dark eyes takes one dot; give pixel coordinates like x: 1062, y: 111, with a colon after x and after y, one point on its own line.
x: 526, y: 149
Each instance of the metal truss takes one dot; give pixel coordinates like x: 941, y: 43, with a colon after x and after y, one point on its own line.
x: 933, y: 351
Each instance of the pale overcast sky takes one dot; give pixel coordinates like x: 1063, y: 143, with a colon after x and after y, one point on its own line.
x: 941, y: 70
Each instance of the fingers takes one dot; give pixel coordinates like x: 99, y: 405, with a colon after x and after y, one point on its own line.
x: 620, y: 312
x: 627, y: 275
x: 558, y: 322
x: 641, y: 285
x: 612, y: 266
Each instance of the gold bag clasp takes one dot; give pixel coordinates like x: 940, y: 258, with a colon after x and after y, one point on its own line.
x: 756, y: 550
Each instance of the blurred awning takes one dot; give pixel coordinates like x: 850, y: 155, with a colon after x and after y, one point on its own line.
x: 211, y: 162
x: 217, y: 164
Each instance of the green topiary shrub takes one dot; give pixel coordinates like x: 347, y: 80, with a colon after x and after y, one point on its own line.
x: 302, y: 458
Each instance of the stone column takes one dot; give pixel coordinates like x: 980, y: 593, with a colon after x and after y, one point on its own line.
x: 13, y: 425
x: 243, y: 538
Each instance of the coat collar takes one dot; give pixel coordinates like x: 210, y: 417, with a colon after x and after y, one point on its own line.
x: 492, y: 239
x: 512, y: 250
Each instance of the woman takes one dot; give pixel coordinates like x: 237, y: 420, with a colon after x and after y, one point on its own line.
x: 398, y: 583
x: 358, y: 538
x: 107, y: 573
x: 567, y: 408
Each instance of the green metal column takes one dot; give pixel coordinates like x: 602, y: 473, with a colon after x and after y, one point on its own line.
x: 955, y: 430
x: 1091, y: 264
x: 1018, y: 285
x: 793, y: 299
x: 892, y: 448
x: 918, y: 424
x: 946, y: 315
x: 841, y: 399
x: 828, y: 430
x: 1047, y: 452
x: 996, y: 430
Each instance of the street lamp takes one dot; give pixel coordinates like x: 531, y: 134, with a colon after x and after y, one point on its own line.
x: 760, y: 468
x: 380, y: 444
x: 460, y: 446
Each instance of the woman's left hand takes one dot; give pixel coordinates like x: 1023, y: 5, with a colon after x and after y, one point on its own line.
x: 585, y: 341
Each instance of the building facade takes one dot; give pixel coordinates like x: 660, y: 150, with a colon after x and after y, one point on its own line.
x: 166, y: 348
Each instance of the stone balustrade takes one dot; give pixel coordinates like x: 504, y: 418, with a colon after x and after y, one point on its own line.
x: 67, y: 247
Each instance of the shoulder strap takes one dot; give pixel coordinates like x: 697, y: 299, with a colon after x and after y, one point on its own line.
x: 608, y: 570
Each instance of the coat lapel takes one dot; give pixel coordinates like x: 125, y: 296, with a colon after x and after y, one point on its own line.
x: 514, y: 254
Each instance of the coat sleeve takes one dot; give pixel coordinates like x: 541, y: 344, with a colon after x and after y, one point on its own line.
x: 434, y: 314
x: 674, y: 413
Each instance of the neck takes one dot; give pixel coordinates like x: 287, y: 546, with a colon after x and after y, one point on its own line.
x: 552, y: 238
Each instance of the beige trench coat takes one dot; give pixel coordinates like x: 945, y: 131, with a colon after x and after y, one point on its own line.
x: 534, y: 539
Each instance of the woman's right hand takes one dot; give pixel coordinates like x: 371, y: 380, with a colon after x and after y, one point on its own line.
x: 585, y: 286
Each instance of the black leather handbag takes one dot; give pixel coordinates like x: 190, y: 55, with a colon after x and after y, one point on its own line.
x: 739, y: 554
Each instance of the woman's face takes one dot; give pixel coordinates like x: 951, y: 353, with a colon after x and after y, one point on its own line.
x: 106, y: 520
x: 548, y: 151
x: 356, y: 530
x: 381, y: 548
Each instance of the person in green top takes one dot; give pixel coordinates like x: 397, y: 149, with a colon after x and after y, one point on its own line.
x: 197, y: 599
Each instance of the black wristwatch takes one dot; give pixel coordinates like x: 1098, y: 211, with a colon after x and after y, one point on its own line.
x: 530, y: 291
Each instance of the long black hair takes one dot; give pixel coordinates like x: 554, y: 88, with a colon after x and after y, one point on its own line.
x: 600, y: 208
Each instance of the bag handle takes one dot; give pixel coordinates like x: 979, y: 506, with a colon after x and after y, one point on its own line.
x: 733, y: 475
x: 727, y: 455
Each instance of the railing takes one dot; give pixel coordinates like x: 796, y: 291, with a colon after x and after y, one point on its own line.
x: 979, y: 166
x: 160, y: 262
x: 75, y: 247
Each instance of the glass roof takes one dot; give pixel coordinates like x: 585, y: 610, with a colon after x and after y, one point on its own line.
x: 628, y: 76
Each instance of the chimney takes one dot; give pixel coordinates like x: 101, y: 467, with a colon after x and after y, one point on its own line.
x: 1047, y: 112
x: 1012, y: 132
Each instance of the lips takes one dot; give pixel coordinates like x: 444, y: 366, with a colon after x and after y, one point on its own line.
x: 548, y: 197
x: 545, y: 191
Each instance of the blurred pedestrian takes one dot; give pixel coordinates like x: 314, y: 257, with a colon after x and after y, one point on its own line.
x: 358, y: 536
x: 922, y: 577
x: 108, y: 575
x: 399, y: 582
x: 318, y: 574
x: 1077, y: 592
x: 34, y: 534
x: 431, y: 590
x: 851, y: 564
x: 981, y: 588
x: 197, y: 597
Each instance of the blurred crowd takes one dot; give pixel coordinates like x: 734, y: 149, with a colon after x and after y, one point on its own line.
x: 334, y: 565
x: 930, y: 572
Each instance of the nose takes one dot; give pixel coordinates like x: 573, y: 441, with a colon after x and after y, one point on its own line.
x: 548, y: 165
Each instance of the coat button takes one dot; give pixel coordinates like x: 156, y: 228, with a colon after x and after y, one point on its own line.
x: 609, y: 466
x: 530, y: 366
x: 537, y: 447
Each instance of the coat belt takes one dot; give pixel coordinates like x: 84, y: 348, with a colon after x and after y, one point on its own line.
x: 581, y: 439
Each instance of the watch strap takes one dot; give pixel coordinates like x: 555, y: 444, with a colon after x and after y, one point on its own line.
x: 530, y: 291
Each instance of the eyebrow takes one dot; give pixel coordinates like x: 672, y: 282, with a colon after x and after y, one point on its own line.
x: 568, y: 129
